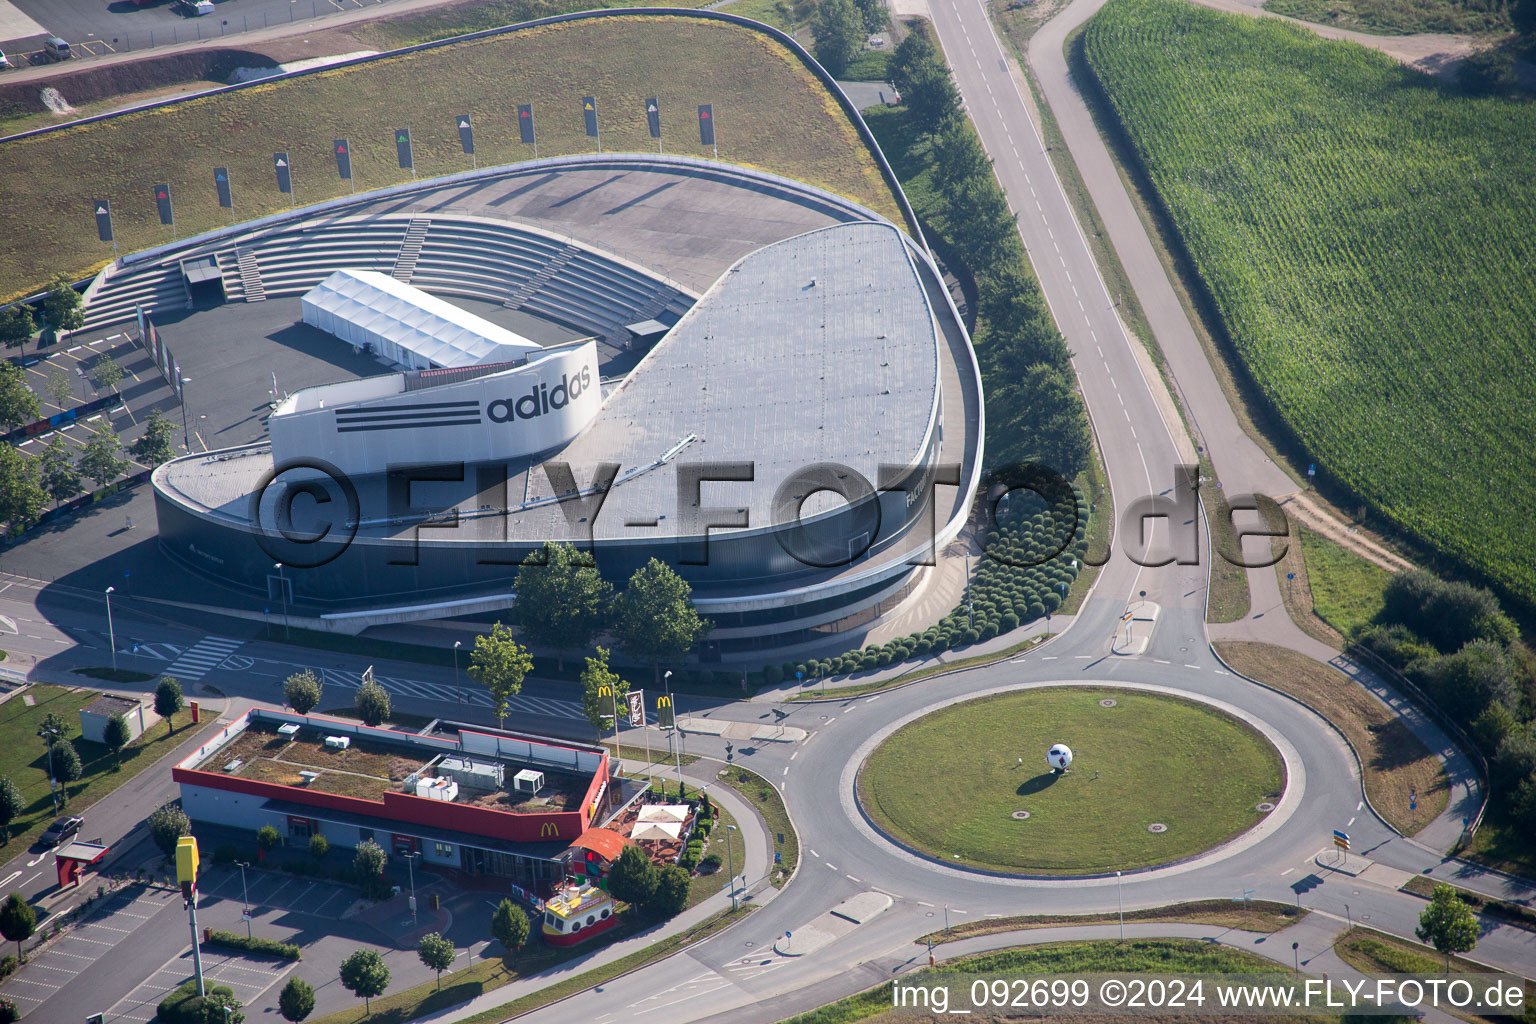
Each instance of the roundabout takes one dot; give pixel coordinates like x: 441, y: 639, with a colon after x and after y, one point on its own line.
x: 1154, y: 779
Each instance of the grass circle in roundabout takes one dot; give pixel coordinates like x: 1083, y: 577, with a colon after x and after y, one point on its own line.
x: 949, y: 782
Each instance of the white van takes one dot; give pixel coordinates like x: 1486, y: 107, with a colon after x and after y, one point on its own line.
x: 56, y: 49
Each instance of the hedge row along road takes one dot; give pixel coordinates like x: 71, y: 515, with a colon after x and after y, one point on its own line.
x: 49, y: 181
x: 1365, y: 236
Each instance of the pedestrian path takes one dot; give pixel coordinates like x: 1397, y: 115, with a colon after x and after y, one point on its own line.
x: 202, y: 657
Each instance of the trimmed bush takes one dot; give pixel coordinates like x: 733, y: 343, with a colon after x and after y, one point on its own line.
x: 185, y: 1006
x: 268, y: 947
x: 225, y: 853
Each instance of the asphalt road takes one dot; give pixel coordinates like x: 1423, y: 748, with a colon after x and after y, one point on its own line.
x: 103, y: 27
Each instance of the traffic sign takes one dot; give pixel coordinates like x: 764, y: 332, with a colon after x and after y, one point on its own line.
x: 1341, y: 839
x: 1413, y: 801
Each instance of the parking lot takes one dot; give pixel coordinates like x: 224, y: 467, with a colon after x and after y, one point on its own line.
x: 279, y: 891
x: 248, y: 976
x: 67, y: 377
x: 47, y: 972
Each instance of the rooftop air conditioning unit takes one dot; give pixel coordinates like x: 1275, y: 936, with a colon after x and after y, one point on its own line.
x: 338, y: 742
x: 528, y: 781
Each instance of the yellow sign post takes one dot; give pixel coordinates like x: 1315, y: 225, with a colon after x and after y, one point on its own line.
x: 186, y: 874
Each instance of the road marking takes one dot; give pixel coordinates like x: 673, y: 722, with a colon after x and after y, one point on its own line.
x: 7, y: 880
x: 1360, y: 805
x: 831, y: 865
x: 1350, y: 822
x: 786, y: 769
x: 852, y: 879
x: 816, y: 855
x: 1286, y: 872
x: 203, y: 657
x: 923, y: 904
x: 791, y: 757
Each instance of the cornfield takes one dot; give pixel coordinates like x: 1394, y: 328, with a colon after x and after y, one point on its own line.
x: 1368, y: 237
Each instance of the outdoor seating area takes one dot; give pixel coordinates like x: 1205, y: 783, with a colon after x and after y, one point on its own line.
x: 661, y: 830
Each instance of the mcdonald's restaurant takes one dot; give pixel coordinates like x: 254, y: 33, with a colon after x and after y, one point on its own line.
x: 489, y: 805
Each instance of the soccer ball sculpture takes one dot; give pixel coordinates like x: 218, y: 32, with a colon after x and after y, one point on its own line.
x: 1059, y: 757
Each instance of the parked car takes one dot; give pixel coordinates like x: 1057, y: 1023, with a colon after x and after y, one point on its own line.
x: 56, y: 49
x: 197, y: 8
x: 62, y: 830
x: 5, y: 61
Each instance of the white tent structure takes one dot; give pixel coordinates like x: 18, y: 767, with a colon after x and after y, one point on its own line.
x: 405, y: 324
x: 662, y: 813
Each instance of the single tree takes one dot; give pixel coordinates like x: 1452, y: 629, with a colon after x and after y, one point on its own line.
x: 22, y: 499
x: 60, y: 389
x: 509, y: 925
x: 655, y: 618
x: 267, y: 839
x: 54, y: 726
x: 499, y: 663
x: 1448, y: 924
x: 99, y: 459
x: 17, y: 920
x: 168, y: 824
x: 168, y: 700
x: 437, y: 953
x: 874, y: 15
x: 117, y: 736
x: 302, y: 691
x: 633, y: 877
x: 18, y: 405
x: 60, y: 477
x: 11, y: 806
x: 61, y: 308
x: 296, y: 1001
x: 372, y: 703
x: 561, y: 600
x: 154, y: 446
x: 671, y: 895
x: 365, y: 976
x: 220, y: 1007
x: 603, y: 692
x: 368, y: 865
x: 319, y: 846
x: 838, y: 31
x: 66, y: 761
x: 107, y: 373
x: 17, y: 325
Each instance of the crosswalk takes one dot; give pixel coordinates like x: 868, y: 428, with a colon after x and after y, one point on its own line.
x: 550, y: 707
x: 202, y: 657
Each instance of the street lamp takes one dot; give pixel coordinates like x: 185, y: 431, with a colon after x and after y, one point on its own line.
x: 111, y: 633
x: 282, y: 586
x: 186, y: 435
x: 970, y: 611
x: 245, y: 898
x: 49, y: 732
x: 730, y: 863
x: 410, y: 863
x: 1120, y: 899
x: 457, y: 690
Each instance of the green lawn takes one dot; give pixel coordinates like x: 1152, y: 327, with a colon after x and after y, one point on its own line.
x: 1346, y: 589
x: 1162, y: 956
x: 1362, y: 232
x: 948, y: 783
x: 770, y: 805
x: 24, y: 759
x: 772, y: 113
